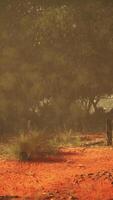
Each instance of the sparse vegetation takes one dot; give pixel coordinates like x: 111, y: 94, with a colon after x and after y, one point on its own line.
x: 56, y: 87
x: 38, y: 145
x: 31, y: 147
x: 67, y: 139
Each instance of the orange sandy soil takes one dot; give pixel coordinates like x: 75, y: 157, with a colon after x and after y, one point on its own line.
x: 75, y: 174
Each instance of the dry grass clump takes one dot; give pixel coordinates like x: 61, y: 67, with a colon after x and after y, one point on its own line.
x: 29, y: 147
x: 37, y: 145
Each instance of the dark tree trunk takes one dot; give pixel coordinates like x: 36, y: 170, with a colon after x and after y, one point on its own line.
x: 109, y: 132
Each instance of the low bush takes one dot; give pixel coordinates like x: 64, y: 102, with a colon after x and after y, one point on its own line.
x: 31, y: 147
x: 36, y: 146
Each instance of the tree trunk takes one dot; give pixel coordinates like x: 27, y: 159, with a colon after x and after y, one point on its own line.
x: 109, y: 132
x: 28, y: 126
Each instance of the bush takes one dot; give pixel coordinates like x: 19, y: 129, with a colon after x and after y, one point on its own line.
x: 31, y: 147
x: 36, y: 146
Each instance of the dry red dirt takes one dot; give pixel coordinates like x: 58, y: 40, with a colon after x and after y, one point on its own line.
x: 77, y: 173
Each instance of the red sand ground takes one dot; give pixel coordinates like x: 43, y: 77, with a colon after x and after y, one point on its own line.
x: 79, y: 173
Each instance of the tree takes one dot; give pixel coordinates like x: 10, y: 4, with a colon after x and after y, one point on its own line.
x: 59, y: 51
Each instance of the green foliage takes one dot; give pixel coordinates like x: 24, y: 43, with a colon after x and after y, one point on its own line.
x: 58, y: 51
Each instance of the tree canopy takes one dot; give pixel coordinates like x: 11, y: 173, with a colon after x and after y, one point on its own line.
x: 53, y: 55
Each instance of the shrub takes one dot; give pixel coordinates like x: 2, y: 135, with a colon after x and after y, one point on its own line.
x: 39, y: 145
x: 31, y: 147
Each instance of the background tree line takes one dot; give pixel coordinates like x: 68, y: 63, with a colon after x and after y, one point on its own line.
x: 55, y: 63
